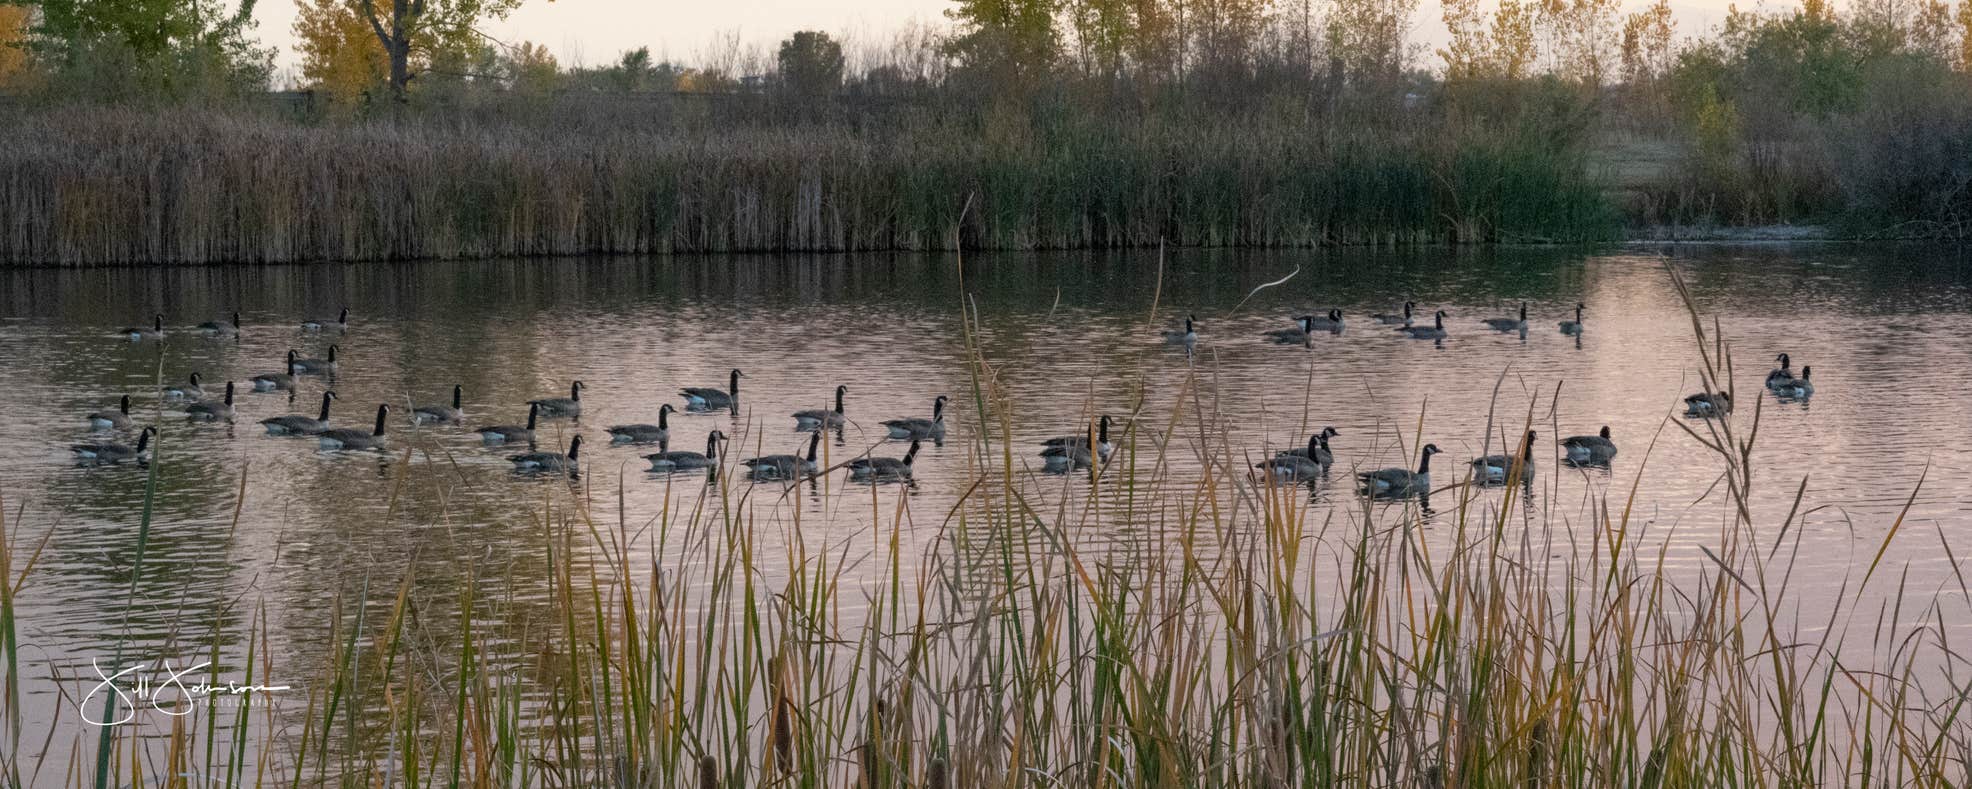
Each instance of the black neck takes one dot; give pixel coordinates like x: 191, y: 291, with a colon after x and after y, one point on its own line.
x: 125, y: 406
x: 664, y: 418
x: 457, y: 393
x: 735, y: 384
x: 229, y: 393
x: 574, y: 448
x: 838, y: 401
x: 814, y: 443
x: 381, y: 414
x: 1314, y: 443
x: 326, y: 397
x: 712, y: 446
x: 532, y: 414
x: 143, y: 440
x: 1424, y: 465
x: 911, y: 454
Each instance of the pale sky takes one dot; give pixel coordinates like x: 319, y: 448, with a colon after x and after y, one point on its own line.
x: 592, y: 32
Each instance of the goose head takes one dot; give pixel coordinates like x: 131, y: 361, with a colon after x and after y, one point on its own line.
x: 1605, y: 432
x: 1408, y: 307
x: 1335, y: 315
x: 332, y: 352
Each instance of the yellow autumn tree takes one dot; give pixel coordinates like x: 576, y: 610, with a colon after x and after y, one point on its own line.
x: 13, y: 34
x: 339, y: 54
x: 1647, y: 38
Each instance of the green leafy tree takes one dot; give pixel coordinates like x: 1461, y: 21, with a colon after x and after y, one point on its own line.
x: 811, y: 63
x: 1014, y: 41
x: 158, y: 45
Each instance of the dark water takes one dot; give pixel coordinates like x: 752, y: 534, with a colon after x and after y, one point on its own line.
x: 1069, y: 336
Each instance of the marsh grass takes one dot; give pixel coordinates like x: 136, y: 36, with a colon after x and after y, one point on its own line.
x: 85, y: 186
x: 1242, y: 642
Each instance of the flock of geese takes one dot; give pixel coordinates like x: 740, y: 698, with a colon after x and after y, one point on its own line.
x: 1597, y: 450
x: 1060, y: 454
x: 200, y: 405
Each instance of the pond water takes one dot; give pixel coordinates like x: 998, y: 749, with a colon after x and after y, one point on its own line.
x: 1069, y: 336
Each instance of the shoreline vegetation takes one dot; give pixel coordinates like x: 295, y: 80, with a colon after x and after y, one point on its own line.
x: 1510, y: 642
x: 1079, y: 124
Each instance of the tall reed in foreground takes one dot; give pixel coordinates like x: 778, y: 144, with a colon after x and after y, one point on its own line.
x: 1238, y: 642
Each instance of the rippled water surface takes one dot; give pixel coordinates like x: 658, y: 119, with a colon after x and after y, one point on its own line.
x: 1068, y: 336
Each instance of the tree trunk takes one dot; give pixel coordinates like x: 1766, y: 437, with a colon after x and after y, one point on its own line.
x: 396, y: 38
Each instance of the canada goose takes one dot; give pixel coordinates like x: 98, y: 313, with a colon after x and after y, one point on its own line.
x: 1436, y: 331
x: 108, y: 452
x: 341, y: 322
x: 1781, y: 375
x: 1103, y: 447
x: 1495, y: 469
x: 642, y: 433
x: 562, y: 406
x: 346, y: 438
x: 550, y: 461
x: 1596, y: 450
x: 504, y: 434
x: 1510, y: 324
x: 319, y: 366
x: 818, y: 419
x: 112, y: 420
x: 277, y: 382
x: 190, y: 390
x: 1799, y: 387
x: 1065, y: 457
x: 1403, y: 319
x: 208, y: 411
x: 1708, y: 404
x: 1317, y: 449
x: 786, y: 466
x: 1295, y: 336
x: 221, y: 328
x: 1187, y: 337
x: 679, y: 461
x: 299, y: 425
x: 1329, y: 323
x: 918, y: 427
x: 441, y: 414
x: 1298, y: 465
x: 1574, y: 326
x: 877, y: 469
x: 705, y: 398
x: 1396, y: 482
x: 139, y: 333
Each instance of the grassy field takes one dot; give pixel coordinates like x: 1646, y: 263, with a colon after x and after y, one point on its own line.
x: 1530, y: 646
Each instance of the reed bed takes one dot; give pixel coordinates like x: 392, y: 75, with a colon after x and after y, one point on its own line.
x: 86, y: 186
x: 714, y: 644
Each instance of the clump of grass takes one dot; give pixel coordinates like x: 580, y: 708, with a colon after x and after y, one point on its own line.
x: 1242, y: 641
